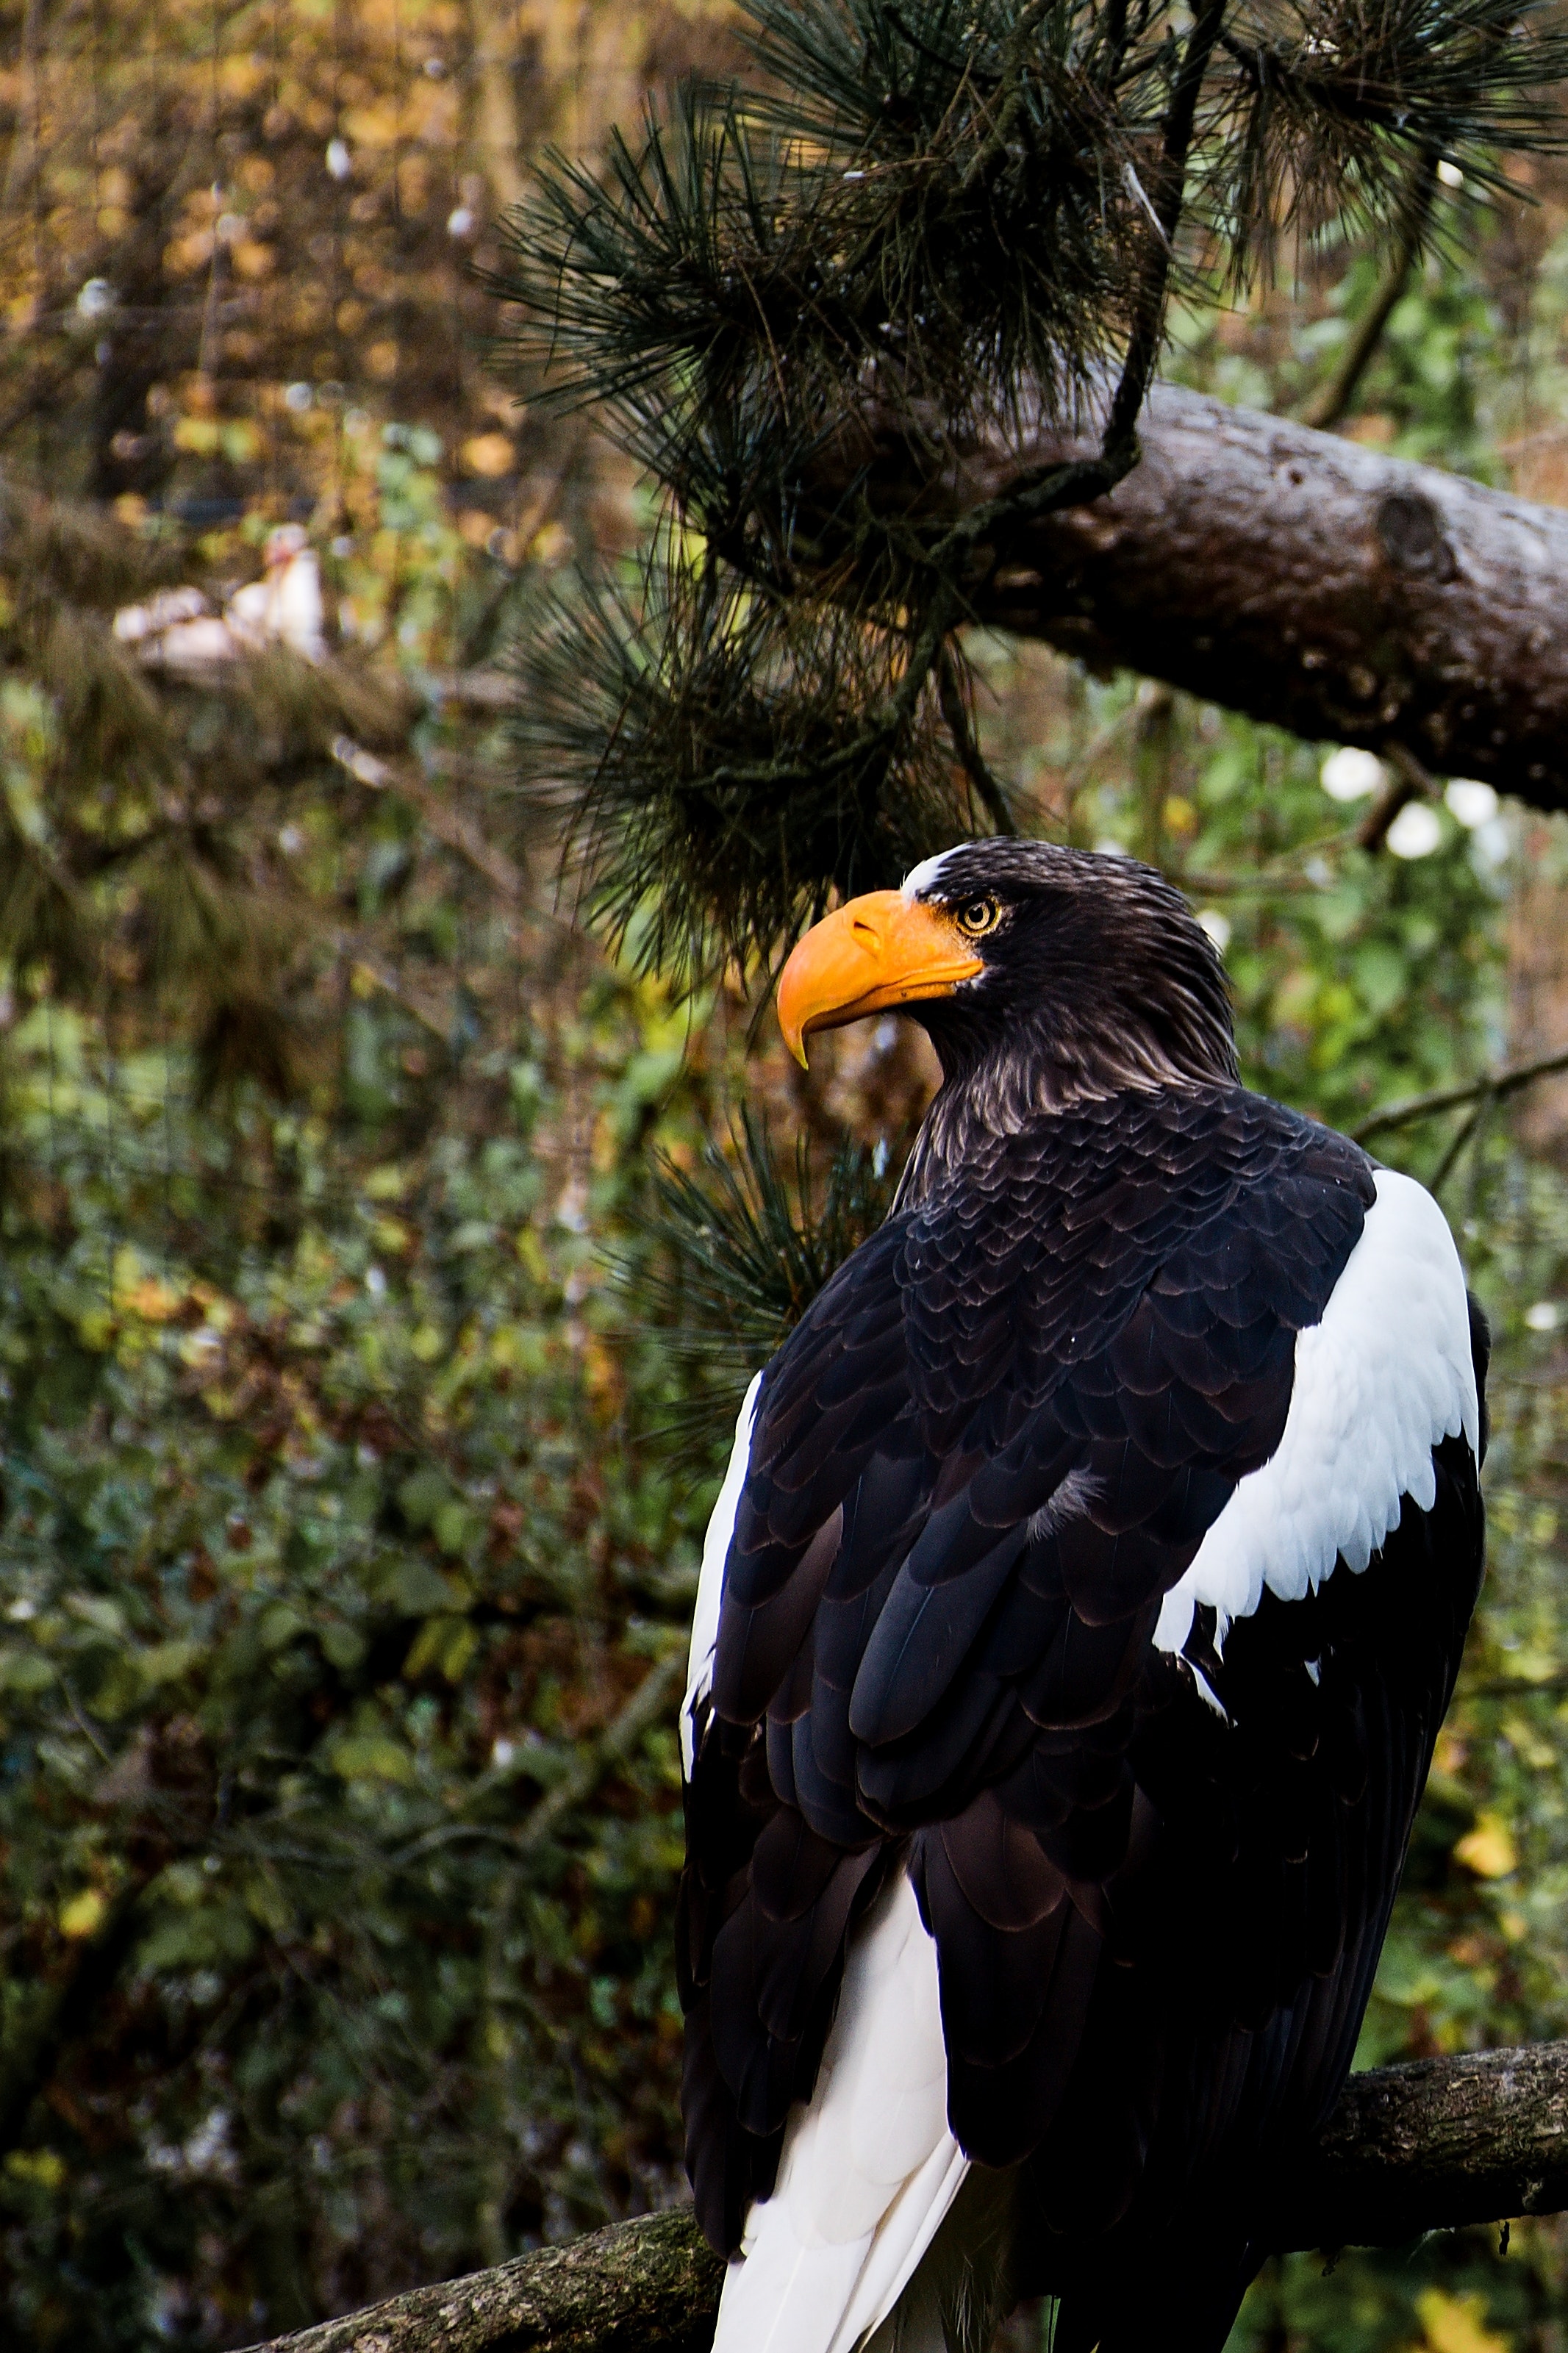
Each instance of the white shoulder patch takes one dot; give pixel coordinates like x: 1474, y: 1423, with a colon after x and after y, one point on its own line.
x: 869, y: 2171
x: 1386, y: 1375
x: 711, y: 1582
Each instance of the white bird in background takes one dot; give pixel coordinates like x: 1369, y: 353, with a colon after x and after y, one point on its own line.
x: 177, y: 629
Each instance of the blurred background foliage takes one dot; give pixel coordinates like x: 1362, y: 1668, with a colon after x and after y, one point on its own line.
x: 368, y: 1234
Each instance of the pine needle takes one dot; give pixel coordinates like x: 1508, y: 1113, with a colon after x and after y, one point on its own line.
x: 738, y: 1251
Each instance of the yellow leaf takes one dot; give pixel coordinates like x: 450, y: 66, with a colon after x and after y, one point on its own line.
x: 445, y: 1643
x: 1488, y: 1849
x: 154, y: 1300
x: 1454, y: 2324
x: 187, y: 254
x: 83, y: 1916
x: 200, y: 435
x: 379, y: 124
x: 242, y: 73
x: 46, y: 2166
x: 487, y: 453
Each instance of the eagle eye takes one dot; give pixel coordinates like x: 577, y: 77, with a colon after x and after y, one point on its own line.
x: 978, y: 917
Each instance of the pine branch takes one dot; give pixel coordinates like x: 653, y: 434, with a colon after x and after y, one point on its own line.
x: 961, y: 727
x: 740, y: 1248
x: 962, y: 214
x: 1332, y: 107
x: 1149, y: 312
x: 1305, y: 580
x: 725, y: 759
x: 1332, y: 401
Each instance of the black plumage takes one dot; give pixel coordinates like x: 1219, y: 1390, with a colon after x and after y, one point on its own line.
x: 1157, y: 1884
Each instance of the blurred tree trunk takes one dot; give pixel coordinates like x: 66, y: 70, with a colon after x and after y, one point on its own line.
x: 145, y: 339
x: 497, y: 125
x: 1538, y: 983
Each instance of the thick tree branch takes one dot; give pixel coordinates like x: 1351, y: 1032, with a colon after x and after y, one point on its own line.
x: 1433, y: 2145
x: 649, y: 2286
x: 1427, y: 2147
x: 1300, y: 578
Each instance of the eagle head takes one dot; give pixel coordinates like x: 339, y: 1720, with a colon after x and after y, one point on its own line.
x: 1041, y: 974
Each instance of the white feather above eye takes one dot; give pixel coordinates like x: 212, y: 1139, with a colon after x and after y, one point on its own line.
x: 711, y: 1581
x: 1384, y: 1375
x: 925, y: 876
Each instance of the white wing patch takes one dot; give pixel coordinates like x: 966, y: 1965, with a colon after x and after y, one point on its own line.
x: 869, y: 2168
x: 711, y: 1581
x: 1384, y: 1375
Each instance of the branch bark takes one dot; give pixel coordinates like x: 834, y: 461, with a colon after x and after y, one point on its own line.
x: 1430, y: 2145
x: 1433, y: 2145
x: 1297, y: 577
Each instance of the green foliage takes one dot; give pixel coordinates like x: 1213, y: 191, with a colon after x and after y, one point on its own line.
x: 325, y: 1548
x: 143, y: 809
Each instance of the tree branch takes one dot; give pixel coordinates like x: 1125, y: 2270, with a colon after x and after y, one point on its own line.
x: 1431, y: 2146
x: 1291, y: 574
x: 1489, y: 1089
x: 648, y: 1705
x: 648, y: 2286
x: 1149, y: 309
x: 1329, y: 402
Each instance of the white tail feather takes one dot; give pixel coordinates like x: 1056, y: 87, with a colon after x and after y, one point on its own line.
x: 869, y: 2169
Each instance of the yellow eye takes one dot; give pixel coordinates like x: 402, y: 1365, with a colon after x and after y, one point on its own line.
x: 980, y: 916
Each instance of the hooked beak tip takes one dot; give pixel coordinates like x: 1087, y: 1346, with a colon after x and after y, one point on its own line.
x: 875, y: 953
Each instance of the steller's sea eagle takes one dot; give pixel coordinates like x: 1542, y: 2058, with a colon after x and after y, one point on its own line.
x: 1075, y: 1624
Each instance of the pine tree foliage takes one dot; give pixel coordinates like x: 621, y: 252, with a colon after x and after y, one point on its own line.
x: 958, y: 217
x: 1332, y: 107
x: 709, y: 746
x: 743, y: 1246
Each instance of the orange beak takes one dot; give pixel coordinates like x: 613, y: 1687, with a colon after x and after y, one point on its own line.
x: 872, y: 953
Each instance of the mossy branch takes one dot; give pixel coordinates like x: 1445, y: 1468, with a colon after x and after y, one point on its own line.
x: 1434, y: 2145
